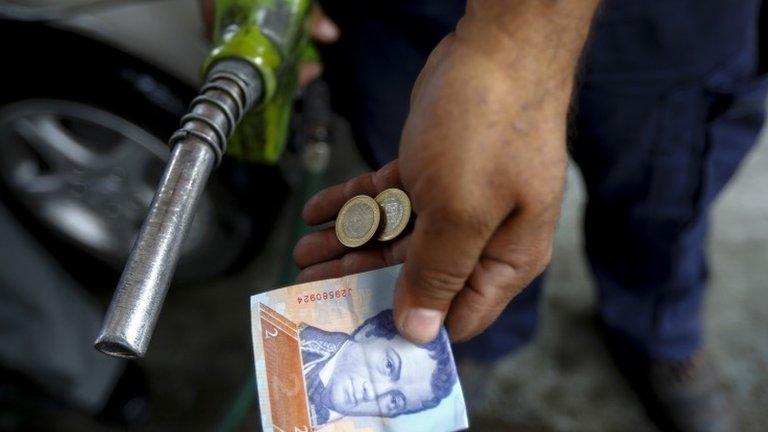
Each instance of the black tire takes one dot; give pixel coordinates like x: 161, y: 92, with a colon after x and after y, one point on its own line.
x: 43, y: 63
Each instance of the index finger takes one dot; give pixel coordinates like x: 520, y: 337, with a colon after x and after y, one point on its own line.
x: 325, y: 205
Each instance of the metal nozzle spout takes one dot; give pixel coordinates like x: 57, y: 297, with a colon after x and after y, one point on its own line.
x: 140, y: 293
x: 231, y: 89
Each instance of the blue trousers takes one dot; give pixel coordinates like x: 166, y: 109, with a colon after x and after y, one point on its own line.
x: 671, y: 99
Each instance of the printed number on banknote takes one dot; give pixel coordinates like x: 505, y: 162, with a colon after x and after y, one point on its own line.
x: 324, y: 295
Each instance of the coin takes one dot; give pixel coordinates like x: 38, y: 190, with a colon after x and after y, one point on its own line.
x: 358, y: 221
x: 395, y: 213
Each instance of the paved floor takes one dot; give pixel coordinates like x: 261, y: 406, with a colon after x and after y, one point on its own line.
x: 201, y: 353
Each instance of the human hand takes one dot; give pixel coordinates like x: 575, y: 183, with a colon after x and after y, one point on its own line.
x: 482, y: 157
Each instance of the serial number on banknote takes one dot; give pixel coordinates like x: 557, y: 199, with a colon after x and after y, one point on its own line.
x: 324, y: 295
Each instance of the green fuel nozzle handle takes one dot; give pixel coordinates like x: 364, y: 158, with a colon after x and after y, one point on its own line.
x: 271, y: 36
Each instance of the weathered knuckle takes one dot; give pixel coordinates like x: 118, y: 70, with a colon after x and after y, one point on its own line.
x: 438, y: 284
x: 537, y: 260
x: 466, y: 218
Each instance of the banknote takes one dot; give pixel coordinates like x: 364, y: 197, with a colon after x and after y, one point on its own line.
x: 329, y: 358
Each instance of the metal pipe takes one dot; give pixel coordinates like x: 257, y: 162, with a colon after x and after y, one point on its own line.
x: 142, y: 288
x: 230, y: 90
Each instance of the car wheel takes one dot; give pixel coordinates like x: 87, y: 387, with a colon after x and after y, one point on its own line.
x: 82, y: 149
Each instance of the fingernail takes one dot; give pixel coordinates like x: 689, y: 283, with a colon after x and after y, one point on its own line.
x: 328, y: 30
x: 421, y: 324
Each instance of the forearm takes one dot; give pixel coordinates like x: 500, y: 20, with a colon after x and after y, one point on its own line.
x: 536, y: 41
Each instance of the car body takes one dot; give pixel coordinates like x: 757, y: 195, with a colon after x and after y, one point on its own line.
x: 166, y: 33
x: 89, y: 93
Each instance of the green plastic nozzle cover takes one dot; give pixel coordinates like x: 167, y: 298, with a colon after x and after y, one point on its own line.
x: 271, y: 35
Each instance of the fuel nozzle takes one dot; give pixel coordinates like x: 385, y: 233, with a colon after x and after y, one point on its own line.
x: 229, y: 92
x: 252, y: 65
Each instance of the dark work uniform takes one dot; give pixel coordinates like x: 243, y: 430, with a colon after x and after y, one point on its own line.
x: 671, y: 100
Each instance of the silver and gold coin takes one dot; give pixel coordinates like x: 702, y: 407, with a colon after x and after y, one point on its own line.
x: 395, y: 213
x: 358, y: 221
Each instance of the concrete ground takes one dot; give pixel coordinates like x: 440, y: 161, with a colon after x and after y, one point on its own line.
x: 201, y: 354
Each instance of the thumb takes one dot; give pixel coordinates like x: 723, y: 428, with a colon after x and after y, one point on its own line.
x: 442, y: 253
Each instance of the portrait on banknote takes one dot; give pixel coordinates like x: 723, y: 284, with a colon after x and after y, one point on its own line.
x: 329, y: 358
x: 373, y: 371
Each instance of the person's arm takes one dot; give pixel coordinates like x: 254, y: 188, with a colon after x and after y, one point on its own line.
x: 483, y: 158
